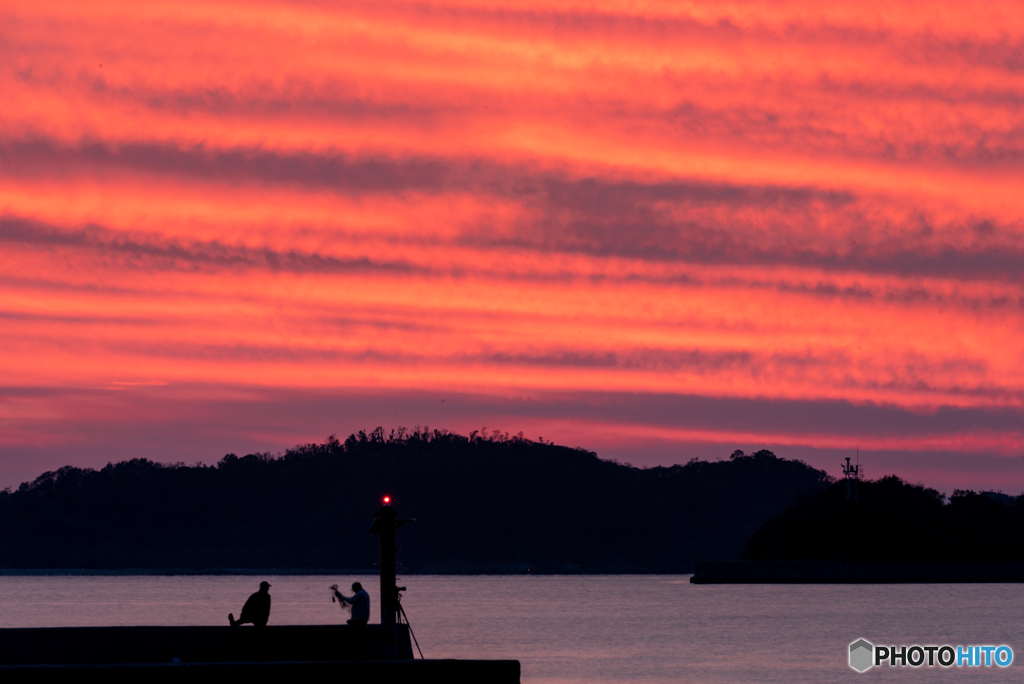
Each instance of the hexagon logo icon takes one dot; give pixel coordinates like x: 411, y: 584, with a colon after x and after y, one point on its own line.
x: 861, y: 653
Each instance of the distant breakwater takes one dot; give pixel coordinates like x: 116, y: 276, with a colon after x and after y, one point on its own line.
x: 824, y: 572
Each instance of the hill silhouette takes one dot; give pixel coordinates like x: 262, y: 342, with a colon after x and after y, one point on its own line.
x: 484, y: 503
x: 892, y: 520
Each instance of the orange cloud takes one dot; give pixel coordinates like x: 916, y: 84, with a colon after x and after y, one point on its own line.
x: 765, y: 202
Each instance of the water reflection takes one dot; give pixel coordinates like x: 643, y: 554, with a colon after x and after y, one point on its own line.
x: 589, y: 628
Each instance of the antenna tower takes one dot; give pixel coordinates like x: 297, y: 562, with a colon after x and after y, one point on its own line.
x: 852, y: 475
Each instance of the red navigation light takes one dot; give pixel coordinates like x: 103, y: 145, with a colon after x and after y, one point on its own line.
x: 387, y: 499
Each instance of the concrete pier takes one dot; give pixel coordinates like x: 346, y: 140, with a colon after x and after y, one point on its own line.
x: 176, y: 653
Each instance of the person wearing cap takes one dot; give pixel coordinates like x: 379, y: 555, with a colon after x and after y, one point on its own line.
x: 360, y: 602
x: 256, y: 610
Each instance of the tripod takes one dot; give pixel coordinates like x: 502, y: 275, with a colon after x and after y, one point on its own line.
x: 404, y: 619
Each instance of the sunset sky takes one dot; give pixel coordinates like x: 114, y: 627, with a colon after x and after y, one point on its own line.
x: 655, y: 230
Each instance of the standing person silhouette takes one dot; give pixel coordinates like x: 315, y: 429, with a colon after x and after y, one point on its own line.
x: 256, y: 609
x: 360, y: 602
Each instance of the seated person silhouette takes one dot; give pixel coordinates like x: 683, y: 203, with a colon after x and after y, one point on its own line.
x: 256, y: 609
x: 360, y: 602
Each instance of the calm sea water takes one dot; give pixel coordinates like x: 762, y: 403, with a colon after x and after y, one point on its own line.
x: 587, y: 628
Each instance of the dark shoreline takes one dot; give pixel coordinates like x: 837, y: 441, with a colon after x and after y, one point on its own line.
x: 446, y: 571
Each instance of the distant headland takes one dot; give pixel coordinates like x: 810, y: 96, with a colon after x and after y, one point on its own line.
x: 484, y: 504
x: 893, y: 521
x: 883, y: 531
